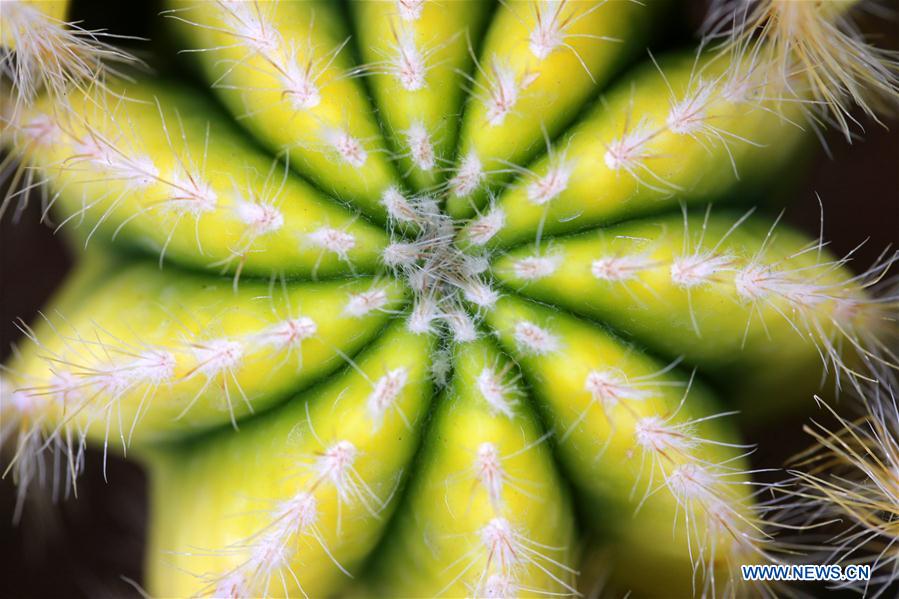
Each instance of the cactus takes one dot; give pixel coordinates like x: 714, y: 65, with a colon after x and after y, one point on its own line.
x: 434, y: 298
x: 842, y: 492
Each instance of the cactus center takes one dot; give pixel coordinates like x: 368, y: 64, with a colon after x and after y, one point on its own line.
x: 428, y: 254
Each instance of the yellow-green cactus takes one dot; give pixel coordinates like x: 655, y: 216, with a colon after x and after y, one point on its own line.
x: 487, y: 495
x: 313, y: 502
x: 437, y: 322
x: 131, y: 165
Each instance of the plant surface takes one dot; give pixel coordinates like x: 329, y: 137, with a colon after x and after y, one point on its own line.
x: 433, y: 297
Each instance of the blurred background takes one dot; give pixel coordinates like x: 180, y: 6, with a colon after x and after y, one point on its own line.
x: 92, y: 545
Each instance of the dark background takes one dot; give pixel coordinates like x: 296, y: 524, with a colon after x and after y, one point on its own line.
x: 88, y: 546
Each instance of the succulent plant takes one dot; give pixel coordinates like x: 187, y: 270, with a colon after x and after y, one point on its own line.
x: 848, y: 477
x: 430, y: 309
